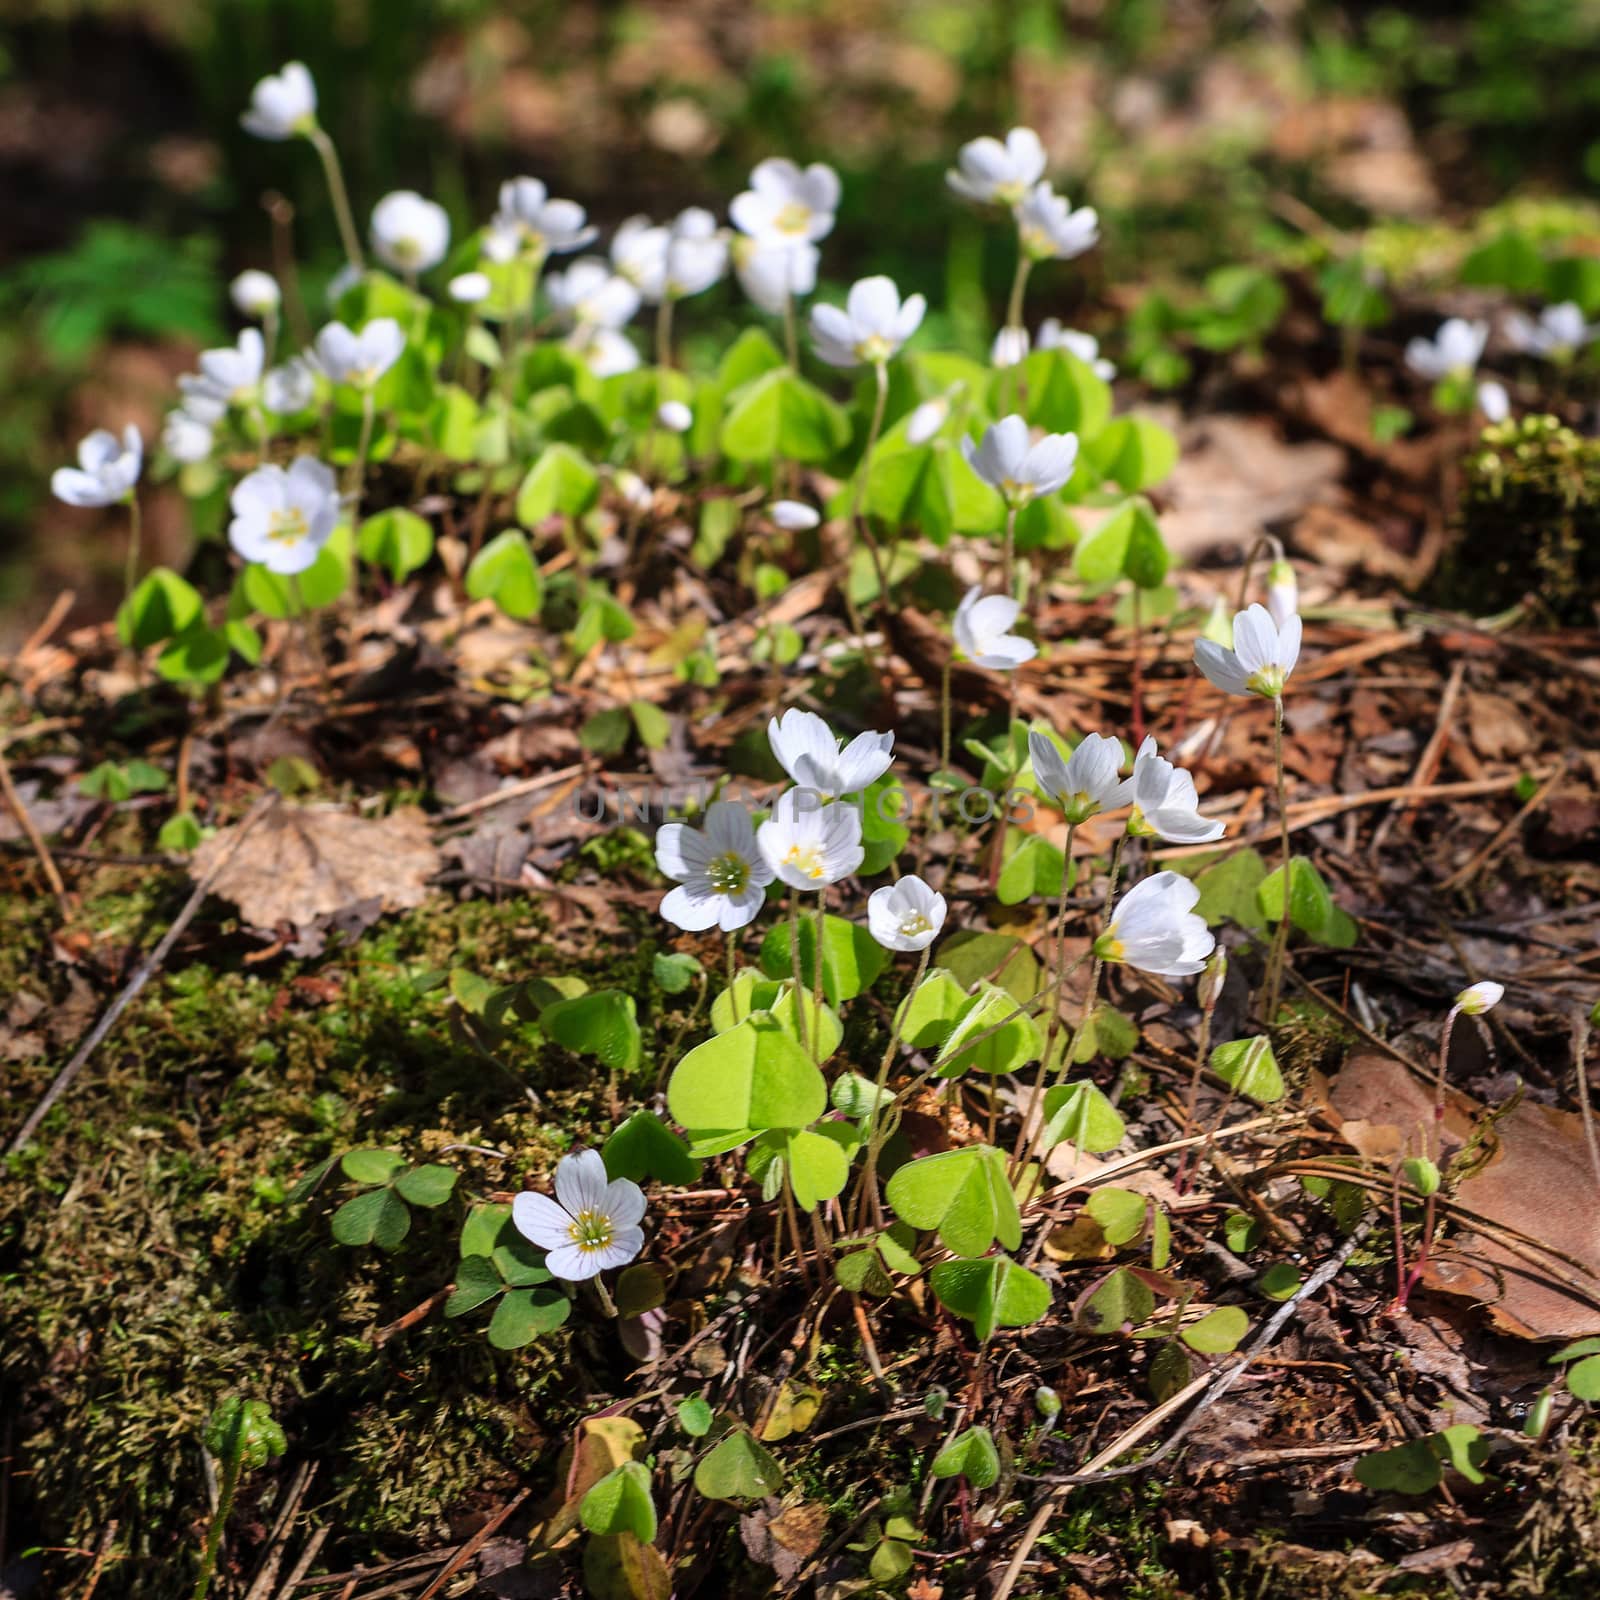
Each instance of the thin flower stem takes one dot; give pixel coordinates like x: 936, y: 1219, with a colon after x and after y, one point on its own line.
x: 607, y: 1304
x: 1019, y: 288
x: 733, y: 952
x: 356, y: 485
x: 794, y: 1228
x: 1009, y: 559
x: 816, y: 969
x: 308, y: 629
x: 869, y: 1171
x: 794, y: 962
x: 791, y: 335
x: 664, y: 331
x: 341, y: 199
x: 269, y: 334
x: 130, y: 574
x: 857, y: 521
x: 1280, y: 937
x: 1095, y: 971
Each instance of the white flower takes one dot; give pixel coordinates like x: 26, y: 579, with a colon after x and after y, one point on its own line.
x: 1493, y: 401
x: 810, y: 846
x: 283, y: 105
x: 722, y: 875
x: 982, y: 629
x: 1283, y: 591
x: 808, y: 750
x: 409, y: 233
x: 255, y: 294
x: 604, y: 351
x: 1050, y: 229
x: 1452, y: 352
x: 993, y: 173
x: 282, y: 519
x: 589, y: 292
x: 1010, y: 347
x: 360, y: 359
x: 674, y: 416
x: 200, y: 400
x: 289, y: 387
x: 774, y: 274
x: 185, y: 437
x: 530, y: 221
x: 1089, y: 780
x: 786, y: 204
x: 1165, y: 803
x: 794, y: 516
x: 1154, y: 928
x: 1052, y: 336
x: 232, y: 374
x: 1011, y: 461
x: 871, y: 328
x: 927, y: 419
x: 1477, y: 998
x: 906, y: 915
x: 1558, y: 335
x: 634, y: 490
x: 469, y: 288
x: 1262, y: 657
x: 590, y: 1226
x: 670, y: 263
x: 107, y: 469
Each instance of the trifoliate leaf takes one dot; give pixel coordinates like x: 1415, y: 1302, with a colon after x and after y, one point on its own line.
x: 738, y: 1468
x: 990, y: 1292
x: 964, y: 1194
x: 970, y: 1455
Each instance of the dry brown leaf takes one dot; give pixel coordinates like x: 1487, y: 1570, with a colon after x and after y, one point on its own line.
x: 304, y: 862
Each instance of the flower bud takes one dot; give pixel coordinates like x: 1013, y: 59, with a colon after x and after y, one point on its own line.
x: 1047, y: 1402
x: 1283, y: 591
x: 928, y: 419
x: 1010, y: 347
x: 1209, y: 989
x: 674, y: 416
x: 1422, y: 1175
x: 1477, y: 998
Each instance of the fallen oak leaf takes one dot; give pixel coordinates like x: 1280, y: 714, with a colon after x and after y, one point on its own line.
x: 305, y: 862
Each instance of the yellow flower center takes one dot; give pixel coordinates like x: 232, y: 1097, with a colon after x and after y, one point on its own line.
x: 913, y: 924
x: 793, y: 218
x: 806, y: 859
x: 287, y: 526
x: 1268, y: 682
x: 1108, y: 947
x: 729, y: 873
x: 591, y: 1230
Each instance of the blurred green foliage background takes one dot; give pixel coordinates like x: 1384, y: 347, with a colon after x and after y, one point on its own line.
x: 1210, y: 135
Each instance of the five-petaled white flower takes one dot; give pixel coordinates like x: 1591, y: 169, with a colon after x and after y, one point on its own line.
x: 282, y: 519
x: 107, y: 469
x: 772, y: 274
x: 604, y: 351
x: 721, y: 872
x: 1022, y: 469
x: 672, y: 261
x: 810, y: 846
x: 1479, y: 997
x: 1050, y: 229
x: 1052, y: 336
x: 1453, y: 351
x: 993, y: 173
x: 290, y: 387
x: 808, y: 750
x: 874, y: 324
x: 794, y: 516
x: 1154, y: 927
x: 591, y: 1226
x: 1262, y: 657
x: 787, y: 204
x: 982, y: 628
x: 906, y: 915
x: 185, y: 437
x: 283, y: 105
x: 255, y: 294
x: 1165, y: 803
x: 1087, y: 781
x: 360, y: 359
x: 531, y: 222
x: 590, y: 292
x: 409, y: 233
x: 232, y: 374
x: 1558, y: 334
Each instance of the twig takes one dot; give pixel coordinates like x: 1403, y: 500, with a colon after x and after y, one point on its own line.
x: 147, y: 969
x: 512, y: 791
x: 31, y: 828
x: 101, y: 1556
x: 312, y: 1550
x: 473, y: 1545
x: 1466, y: 873
x: 1428, y: 762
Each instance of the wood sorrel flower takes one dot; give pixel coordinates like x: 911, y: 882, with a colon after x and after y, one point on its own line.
x: 774, y: 272
x: 808, y: 845
x: 873, y: 325
x: 255, y: 294
x: 906, y: 915
x: 808, y: 750
x: 289, y: 387
x: 1558, y: 334
x: 409, y: 233
x: 186, y: 437
x: 107, y: 469
x: 232, y: 374
x: 722, y: 875
x: 531, y: 223
x: 1283, y: 591
x: 1010, y: 460
x: 1049, y: 229
x: 1165, y: 803
x: 674, y: 261
x: 1087, y: 781
x: 794, y: 516
x: 359, y: 359
x: 1479, y: 997
x: 589, y: 292
x: 993, y: 173
x: 1452, y: 352
x: 1262, y: 657
x: 282, y: 519
x: 591, y: 1226
x: 1010, y: 348
x: 982, y: 628
x: 1153, y: 927
x: 1052, y: 336
x: 787, y: 204
x: 283, y: 105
